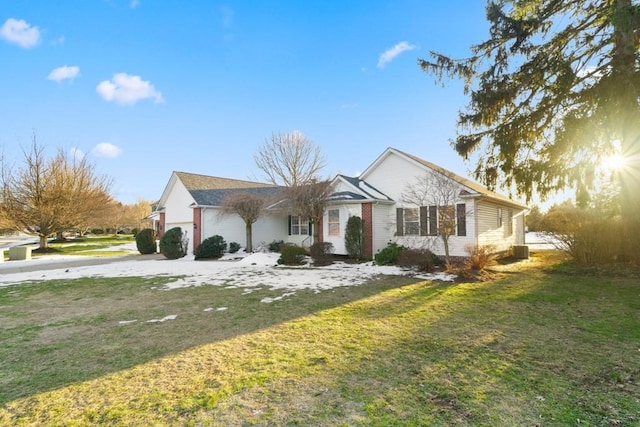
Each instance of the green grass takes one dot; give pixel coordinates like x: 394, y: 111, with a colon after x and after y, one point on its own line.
x: 89, y: 245
x: 533, y: 346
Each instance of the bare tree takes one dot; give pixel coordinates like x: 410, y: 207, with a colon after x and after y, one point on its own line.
x: 309, y: 201
x: 249, y: 207
x: 47, y: 196
x: 439, y: 192
x: 289, y: 159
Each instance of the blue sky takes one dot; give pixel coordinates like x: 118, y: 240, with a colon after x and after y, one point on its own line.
x: 147, y: 87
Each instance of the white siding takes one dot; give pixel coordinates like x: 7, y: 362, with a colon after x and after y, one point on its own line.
x: 489, y: 230
x: 265, y: 230
x: 384, y: 225
x: 346, y: 210
x: 178, y: 212
x: 393, y: 174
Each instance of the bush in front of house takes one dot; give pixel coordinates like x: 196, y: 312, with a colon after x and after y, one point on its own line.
x: 321, y: 253
x: 291, y: 254
x: 146, y: 241
x: 353, y: 238
x: 389, y: 254
x: 420, y: 259
x: 211, y: 248
x: 480, y: 257
x: 276, y: 245
x: 234, y: 247
x: 174, y: 243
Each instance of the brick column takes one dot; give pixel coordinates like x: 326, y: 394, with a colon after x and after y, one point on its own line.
x: 197, y: 228
x: 367, y: 229
x: 161, y: 228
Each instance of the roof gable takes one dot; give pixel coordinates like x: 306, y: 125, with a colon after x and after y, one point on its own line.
x: 356, y: 190
x: 474, y: 188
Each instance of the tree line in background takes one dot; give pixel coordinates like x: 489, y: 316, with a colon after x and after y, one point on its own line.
x: 48, y: 196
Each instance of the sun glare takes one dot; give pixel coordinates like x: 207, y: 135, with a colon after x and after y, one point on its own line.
x: 615, y: 162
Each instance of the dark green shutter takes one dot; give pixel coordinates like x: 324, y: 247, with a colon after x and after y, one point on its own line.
x: 399, y: 222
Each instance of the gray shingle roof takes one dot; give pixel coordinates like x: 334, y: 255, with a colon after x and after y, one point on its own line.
x: 214, y: 197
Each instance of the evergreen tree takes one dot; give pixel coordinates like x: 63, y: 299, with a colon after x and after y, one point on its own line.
x: 554, y: 90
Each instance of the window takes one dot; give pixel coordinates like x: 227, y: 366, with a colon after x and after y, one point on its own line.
x: 334, y: 222
x: 447, y: 220
x: 411, y: 221
x: 461, y: 215
x: 298, y: 226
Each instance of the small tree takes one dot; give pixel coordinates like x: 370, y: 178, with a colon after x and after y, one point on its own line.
x: 353, y: 238
x: 439, y: 189
x: 309, y: 201
x: 247, y: 206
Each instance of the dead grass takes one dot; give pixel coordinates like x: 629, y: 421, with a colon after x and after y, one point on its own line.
x: 530, y: 347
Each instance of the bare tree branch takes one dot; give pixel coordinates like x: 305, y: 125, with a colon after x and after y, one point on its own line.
x: 289, y: 159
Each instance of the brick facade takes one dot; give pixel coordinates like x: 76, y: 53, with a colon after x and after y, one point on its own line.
x: 367, y: 229
x: 197, y: 228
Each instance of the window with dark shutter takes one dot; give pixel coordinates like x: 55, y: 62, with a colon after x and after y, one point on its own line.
x: 399, y: 222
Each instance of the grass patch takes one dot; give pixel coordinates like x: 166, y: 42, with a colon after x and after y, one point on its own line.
x: 533, y: 346
x: 87, y: 245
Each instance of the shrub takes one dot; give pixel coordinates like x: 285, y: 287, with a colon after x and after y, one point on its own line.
x: 146, y: 241
x: 480, y: 257
x: 291, y: 254
x: 353, y: 238
x: 211, y: 247
x: 234, y: 247
x: 321, y: 253
x: 174, y: 243
x: 420, y: 259
x: 276, y: 246
x: 389, y: 254
x: 135, y: 231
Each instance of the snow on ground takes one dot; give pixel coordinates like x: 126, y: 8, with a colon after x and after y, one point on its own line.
x: 249, y: 271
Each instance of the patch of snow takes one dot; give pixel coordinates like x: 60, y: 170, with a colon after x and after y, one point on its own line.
x: 126, y: 322
x: 253, y: 271
x: 164, y: 319
x: 222, y: 309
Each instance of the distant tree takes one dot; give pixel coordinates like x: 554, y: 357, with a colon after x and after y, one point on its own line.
x: 533, y: 219
x: 247, y: 206
x: 553, y: 90
x: 309, y: 201
x: 439, y: 190
x: 289, y: 159
x: 49, y: 195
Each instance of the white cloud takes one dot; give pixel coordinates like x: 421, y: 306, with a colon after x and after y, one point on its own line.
x: 63, y: 73
x: 18, y: 31
x: 390, y: 54
x: 127, y: 90
x: 105, y: 149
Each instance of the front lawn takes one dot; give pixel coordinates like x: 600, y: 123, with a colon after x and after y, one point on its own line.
x: 534, y: 346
